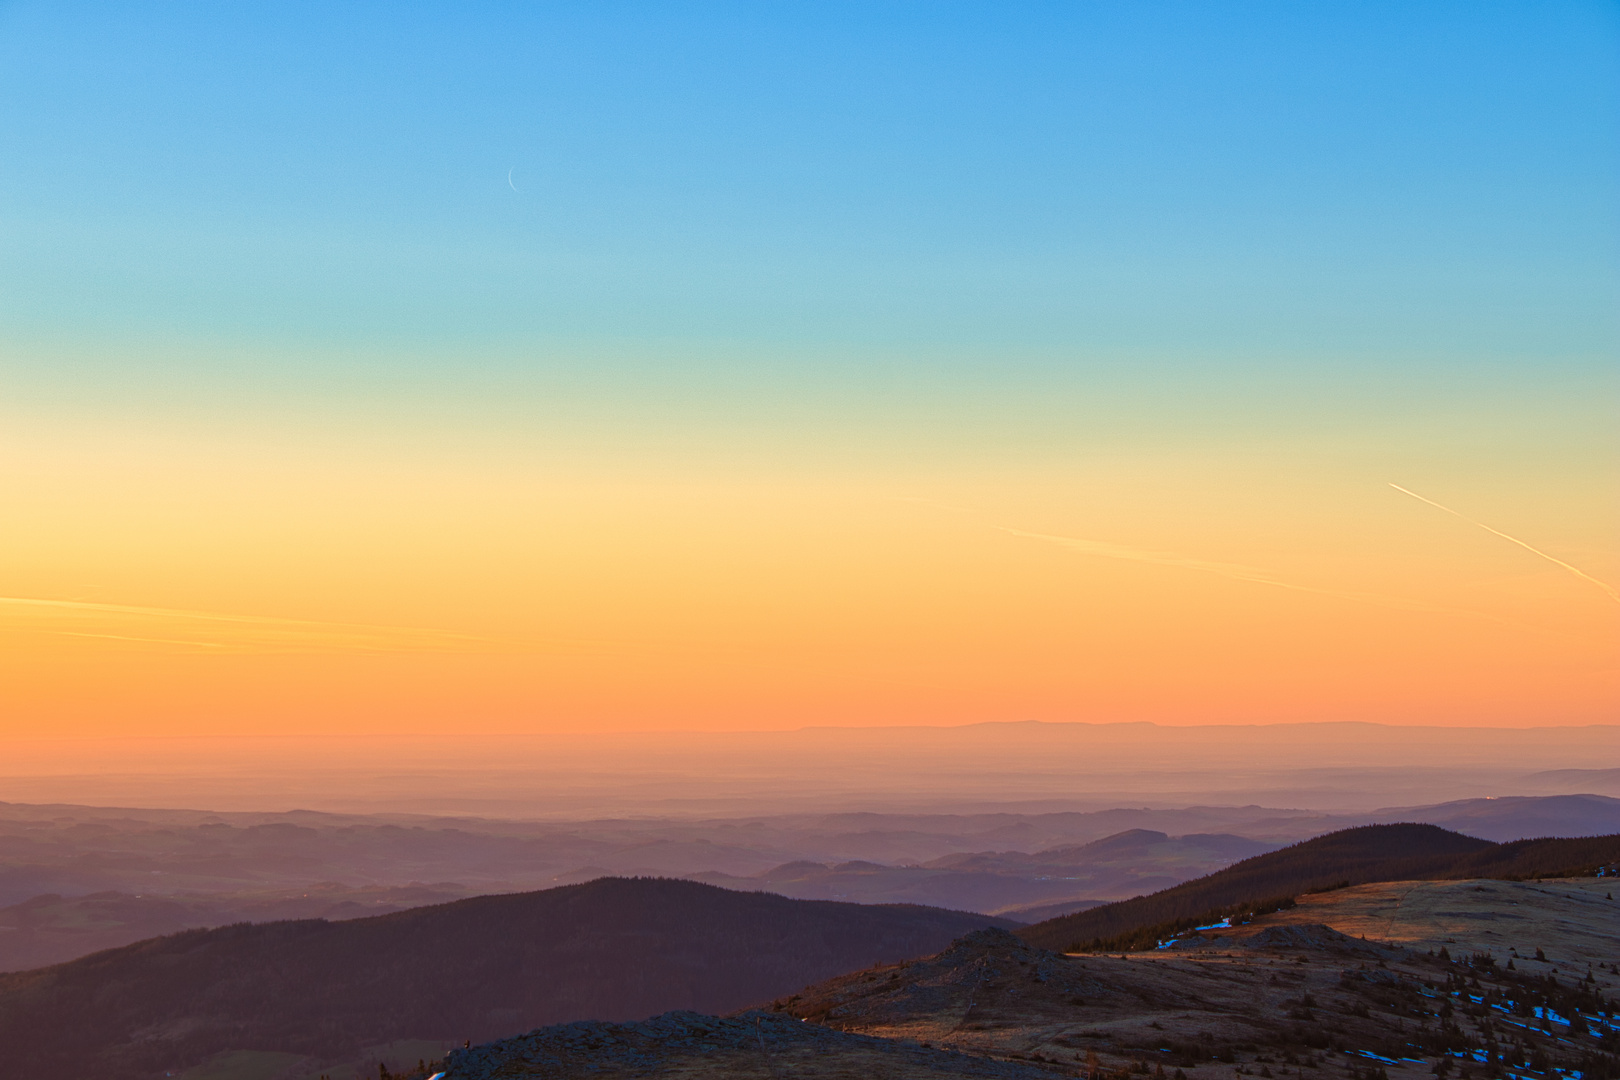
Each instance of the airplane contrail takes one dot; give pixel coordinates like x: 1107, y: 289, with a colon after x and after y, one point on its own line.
x: 1577, y: 571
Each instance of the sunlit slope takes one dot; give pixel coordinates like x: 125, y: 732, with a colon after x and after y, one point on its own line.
x: 1350, y: 856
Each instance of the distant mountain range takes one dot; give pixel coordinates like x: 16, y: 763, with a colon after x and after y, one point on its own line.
x: 77, y: 879
x: 1517, y: 817
x: 473, y: 969
x: 1008, y: 882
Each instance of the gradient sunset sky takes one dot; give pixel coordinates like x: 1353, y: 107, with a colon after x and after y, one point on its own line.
x: 595, y: 366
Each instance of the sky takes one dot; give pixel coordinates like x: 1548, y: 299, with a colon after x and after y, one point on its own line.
x: 600, y: 367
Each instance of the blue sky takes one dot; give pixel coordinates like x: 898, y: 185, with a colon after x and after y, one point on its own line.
x: 1326, y: 183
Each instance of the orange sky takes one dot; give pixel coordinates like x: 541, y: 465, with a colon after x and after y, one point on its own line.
x: 224, y: 585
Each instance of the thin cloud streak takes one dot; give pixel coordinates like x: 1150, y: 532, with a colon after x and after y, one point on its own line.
x: 1608, y: 589
x: 216, y: 630
x: 1159, y: 558
x: 142, y: 640
x: 169, y: 613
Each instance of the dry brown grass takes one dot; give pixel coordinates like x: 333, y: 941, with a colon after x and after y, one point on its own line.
x: 1570, y: 919
x: 1261, y: 1007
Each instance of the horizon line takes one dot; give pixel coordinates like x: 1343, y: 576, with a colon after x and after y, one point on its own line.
x: 177, y: 736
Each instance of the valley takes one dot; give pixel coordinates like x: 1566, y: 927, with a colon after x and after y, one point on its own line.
x: 1261, y: 968
x: 76, y: 879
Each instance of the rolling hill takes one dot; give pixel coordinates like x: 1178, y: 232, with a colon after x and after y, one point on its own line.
x: 1350, y: 856
x: 77, y: 879
x: 1002, y: 882
x: 474, y: 969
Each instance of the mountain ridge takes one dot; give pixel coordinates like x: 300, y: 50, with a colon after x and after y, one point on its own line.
x: 1386, y: 852
x: 478, y: 968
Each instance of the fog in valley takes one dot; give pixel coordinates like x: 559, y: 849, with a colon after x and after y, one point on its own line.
x: 1340, y: 767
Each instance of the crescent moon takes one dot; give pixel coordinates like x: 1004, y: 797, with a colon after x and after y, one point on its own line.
x: 509, y: 183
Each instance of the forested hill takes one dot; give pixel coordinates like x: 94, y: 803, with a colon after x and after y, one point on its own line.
x: 490, y: 966
x: 1350, y: 856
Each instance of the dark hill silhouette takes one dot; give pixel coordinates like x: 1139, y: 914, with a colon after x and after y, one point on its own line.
x: 1556, y: 856
x: 611, y: 949
x: 1348, y: 857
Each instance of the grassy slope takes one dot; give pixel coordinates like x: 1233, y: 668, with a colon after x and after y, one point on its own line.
x: 1369, y: 853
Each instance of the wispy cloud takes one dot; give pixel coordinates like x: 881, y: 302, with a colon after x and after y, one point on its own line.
x: 220, y: 632
x: 1103, y: 550
x: 1608, y: 589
